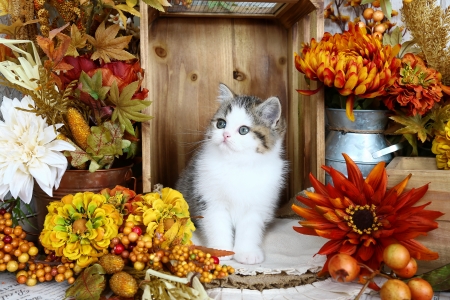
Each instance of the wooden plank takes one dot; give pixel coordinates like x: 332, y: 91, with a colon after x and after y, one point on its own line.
x: 288, y: 17
x: 148, y: 15
x: 306, y: 138
x: 186, y: 60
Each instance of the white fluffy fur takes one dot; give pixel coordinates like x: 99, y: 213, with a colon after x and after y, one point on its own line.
x: 241, y: 188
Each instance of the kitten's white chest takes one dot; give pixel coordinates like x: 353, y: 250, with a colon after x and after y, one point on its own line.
x: 241, y: 181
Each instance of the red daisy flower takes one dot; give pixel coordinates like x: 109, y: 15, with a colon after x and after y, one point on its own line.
x: 361, y: 217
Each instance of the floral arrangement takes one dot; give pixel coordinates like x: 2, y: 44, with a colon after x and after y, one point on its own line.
x: 80, y: 227
x: 126, y: 235
x: 165, y: 215
x: 364, y: 220
x: 361, y: 217
x: 78, y: 64
x: 410, y: 78
x: 353, y: 64
x: 28, y: 149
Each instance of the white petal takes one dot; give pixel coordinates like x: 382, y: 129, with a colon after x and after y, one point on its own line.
x: 21, y: 181
x: 26, y: 193
x: 59, y: 145
x: 4, y: 189
x: 41, y: 172
x: 48, y: 190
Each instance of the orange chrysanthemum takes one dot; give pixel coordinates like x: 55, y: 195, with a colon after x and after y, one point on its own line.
x: 354, y: 63
x: 417, y: 89
x: 361, y: 217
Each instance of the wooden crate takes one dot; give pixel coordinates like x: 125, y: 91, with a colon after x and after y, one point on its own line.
x: 424, y: 170
x: 185, y: 59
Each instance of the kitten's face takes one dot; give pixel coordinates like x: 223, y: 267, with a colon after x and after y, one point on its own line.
x: 232, y: 131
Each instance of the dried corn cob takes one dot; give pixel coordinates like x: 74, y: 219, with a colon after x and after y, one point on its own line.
x: 79, y: 127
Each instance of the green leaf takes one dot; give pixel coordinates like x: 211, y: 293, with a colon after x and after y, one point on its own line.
x: 89, y: 285
x: 127, y: 109
x: 438, y: 278
x: 412, y: 125
x: 99, y: 142
x: 409, y: 47
x: 104, y: 144
x: 132, y: 150
x: 386, y: 7
x: 394, y: 38
x: 366, y: 2
x: 93, y: 85
x: 412, y: 140
x: 155, y: 4
x: 132, y: 3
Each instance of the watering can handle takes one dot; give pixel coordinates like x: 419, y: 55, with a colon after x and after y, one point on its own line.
x: 387, y: 150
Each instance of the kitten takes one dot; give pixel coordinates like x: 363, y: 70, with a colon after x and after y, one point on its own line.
x: 235, y: 178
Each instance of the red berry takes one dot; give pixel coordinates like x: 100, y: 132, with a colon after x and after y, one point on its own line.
x: 118, y: 249
x: 131, y: 246
x: 121, y: 228
x: 7, y: 239
x: 137, y: 229
x: 2, y: 211
x: 216, y: 260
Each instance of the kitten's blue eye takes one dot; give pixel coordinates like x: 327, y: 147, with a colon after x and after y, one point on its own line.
x: 221, y: 123
x: 243, y: 130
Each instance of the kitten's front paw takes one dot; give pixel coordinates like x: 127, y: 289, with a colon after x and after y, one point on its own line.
x: 249, y: 257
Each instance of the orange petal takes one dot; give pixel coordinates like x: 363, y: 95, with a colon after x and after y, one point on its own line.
x: 318, y: 225
x: 419, y: 251
x: 352, y: 80
x: 330, y: 247
x: 328, y: 77
x: 377, y: 178
x: 304, y: 230
x: 318, y: 186
x: 332, y: 234
x: 349, y: 107
x: 309, y: 92
x: 401, y: 185
x: 365, y: 253
x: 339, y: 80
x: 348, y: 248
x: 354, y: 174
x: 305, y: 212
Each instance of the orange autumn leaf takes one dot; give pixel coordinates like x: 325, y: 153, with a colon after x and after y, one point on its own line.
x: 78, y: 41
x: 108, y: 46
x: 212, y: 251
x: 55, y: 51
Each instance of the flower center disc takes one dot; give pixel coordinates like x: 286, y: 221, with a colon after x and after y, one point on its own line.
x: 79, y: 226
x: 363, y: 219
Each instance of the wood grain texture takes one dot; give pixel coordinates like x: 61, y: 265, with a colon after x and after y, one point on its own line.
x: 187, y: 58
x: 306, y: 136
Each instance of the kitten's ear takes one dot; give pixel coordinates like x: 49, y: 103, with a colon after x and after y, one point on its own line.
x: 271, y: 110
x: 224, y: 93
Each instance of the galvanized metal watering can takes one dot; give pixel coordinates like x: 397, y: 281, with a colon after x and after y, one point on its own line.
x: 363, y: 140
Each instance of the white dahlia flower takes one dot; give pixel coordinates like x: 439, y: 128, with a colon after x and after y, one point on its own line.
x: 29, y: 151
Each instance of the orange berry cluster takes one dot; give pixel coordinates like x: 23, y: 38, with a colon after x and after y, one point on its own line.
x: 15, y: 250
x: 144, y: 251
x: 185, y: 260
x: 44, y: 272
x: 19, y: 255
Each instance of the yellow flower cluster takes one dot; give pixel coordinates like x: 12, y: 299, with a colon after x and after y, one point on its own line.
x: 441, y: 147
x: 80, y: 227
x: 165, y: 214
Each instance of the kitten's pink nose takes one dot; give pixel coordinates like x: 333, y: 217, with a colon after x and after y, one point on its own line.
x: 226, y: 136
